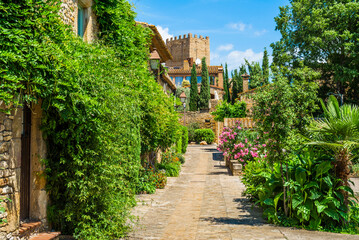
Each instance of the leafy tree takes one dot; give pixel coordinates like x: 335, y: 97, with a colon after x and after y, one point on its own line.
x: 325, y: 35
x: 281, y: 110
x: 193, y: 103
x: 265, y: 67
x: 205, y: 94
x: 256, y: 75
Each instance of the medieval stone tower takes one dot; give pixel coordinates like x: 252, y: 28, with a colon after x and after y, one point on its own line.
x: 186, y: 48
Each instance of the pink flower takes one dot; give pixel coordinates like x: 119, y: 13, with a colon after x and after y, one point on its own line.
x: 264, y: 145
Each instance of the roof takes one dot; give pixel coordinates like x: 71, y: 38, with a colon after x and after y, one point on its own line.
x: 158, y: 43
x: 211, y: 70
x: 169, y: 81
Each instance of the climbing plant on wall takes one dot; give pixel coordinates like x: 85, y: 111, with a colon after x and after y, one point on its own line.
x: 101, y: 109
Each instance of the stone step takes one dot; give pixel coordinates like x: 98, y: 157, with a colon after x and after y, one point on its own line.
x: 46, y: 236
x: 26, y: 229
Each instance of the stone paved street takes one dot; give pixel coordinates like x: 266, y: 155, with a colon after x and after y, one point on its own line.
x: 205, y: 202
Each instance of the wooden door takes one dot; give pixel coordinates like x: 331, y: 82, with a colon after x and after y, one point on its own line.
x: 25, y: 165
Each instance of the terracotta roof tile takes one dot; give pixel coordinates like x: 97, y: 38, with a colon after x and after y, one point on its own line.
x: 211, y: 70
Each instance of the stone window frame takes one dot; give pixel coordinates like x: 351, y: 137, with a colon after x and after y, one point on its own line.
x: 85, y: 5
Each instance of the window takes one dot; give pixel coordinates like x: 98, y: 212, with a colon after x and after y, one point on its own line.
x: 80, y: 21
x: 212, y: 80
x: 199, y: 79
x: 188, y: 78
x: 179, y: 81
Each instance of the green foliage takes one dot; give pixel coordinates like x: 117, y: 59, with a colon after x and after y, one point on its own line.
x: 172, y: 169
x: 204, y: 135
x: 149, y: 180
x: 227, y: 110
x: 313, y: 193
x: 192, y: 127
x: 179, y: 141
x: 204, y: 95
x: 338, y: 133
x: 282, y: 109
x: 171, y: 162
x: 187, y: 91
x: 101, y: 109
x: 265, y: 67
x: 227, y: 94
x: 184, y: 139
x: 194, y: 98
x: 325, y: 35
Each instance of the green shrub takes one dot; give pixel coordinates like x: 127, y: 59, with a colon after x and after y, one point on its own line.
x: 227, y: 110
x: 184, y: 139
x: 191, y: 128
x: 179, y: 141
x: 315, y: 195
x: 172, y: 168
x: 204, y: 135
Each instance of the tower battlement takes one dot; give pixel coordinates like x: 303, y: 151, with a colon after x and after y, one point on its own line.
x: 188, y: 46
x: 186, y: 36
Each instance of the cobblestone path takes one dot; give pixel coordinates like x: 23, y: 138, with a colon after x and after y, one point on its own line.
x: 205, y: 202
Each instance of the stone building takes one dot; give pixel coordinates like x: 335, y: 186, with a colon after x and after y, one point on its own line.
x: 188, y: 47
x: 190, y: 50
x: 159, y: 54
x: 22, y: 181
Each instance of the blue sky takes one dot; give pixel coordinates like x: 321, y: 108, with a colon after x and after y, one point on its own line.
x: 237, y: 29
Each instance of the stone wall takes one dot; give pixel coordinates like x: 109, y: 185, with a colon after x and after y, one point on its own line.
x: 10, y: 160
x: 204, y: 118
x: 11, y: 129
x: 188, y: 47
x: 69, y: 14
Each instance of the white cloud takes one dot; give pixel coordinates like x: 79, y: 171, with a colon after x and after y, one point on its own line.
x: 227, y: 47
x: 236, y: 58
x: 260, y: 33
x: 164, y: 32
x: 239, y: 26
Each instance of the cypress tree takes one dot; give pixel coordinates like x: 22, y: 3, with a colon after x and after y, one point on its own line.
x: 235, y: 87
x: 265, y: 67
x: 193, y: 104
x: 204, y: 95
x: 227, y: 95
x: 242, y: 70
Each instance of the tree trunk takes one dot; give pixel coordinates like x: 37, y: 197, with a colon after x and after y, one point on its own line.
x: 342, y: 171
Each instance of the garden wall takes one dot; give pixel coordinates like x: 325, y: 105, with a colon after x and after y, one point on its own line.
x: 204, y: 118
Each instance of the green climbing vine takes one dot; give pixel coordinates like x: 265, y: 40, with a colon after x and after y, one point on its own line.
x: 101, y: 109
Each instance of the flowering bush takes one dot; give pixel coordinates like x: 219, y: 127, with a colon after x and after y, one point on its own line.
x: 242, y: 145
x: 150, y: 179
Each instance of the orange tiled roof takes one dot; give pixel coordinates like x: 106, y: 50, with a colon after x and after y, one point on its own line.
x: 211, y: 70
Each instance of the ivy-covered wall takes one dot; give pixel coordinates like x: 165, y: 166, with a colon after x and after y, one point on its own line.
x: 101, y: 108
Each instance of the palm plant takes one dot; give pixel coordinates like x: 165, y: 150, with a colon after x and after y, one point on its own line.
x: 337, y: 132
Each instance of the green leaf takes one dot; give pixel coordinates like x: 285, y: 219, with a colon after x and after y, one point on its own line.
x: 297, y: 200
x: 320, y: 207
x: 276, y: 199
x: 314, y: 224
x: 332, y: 214
x: 315, y: 195
x: 323, y: 168
x: 300, y: 175
x: 269, y: 202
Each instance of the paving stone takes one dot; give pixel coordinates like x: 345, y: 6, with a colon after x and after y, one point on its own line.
x: 205, y: 202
